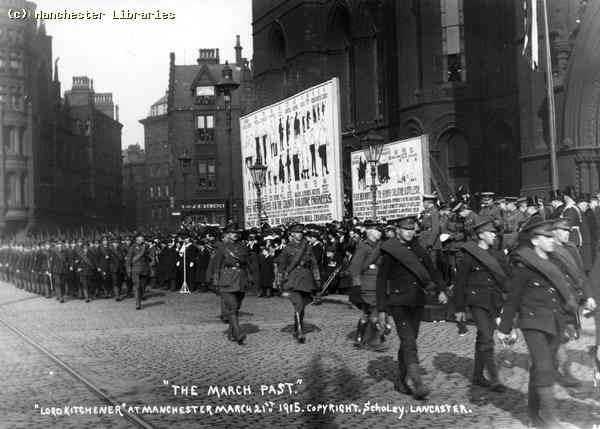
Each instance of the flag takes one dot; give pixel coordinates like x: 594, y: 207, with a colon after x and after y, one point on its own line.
x: 530, y: 44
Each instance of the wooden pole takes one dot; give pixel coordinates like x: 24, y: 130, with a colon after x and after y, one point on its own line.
x: 551, y: 110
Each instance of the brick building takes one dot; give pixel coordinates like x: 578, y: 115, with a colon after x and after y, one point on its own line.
x: 192, y: 119
x: 445, y: 68
x: 60, y: 159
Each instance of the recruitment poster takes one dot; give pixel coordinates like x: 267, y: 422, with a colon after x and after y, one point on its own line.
x: 298, y: 139
x: 402, y: 177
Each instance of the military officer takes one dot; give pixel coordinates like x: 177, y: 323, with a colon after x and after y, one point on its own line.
x: 85, y: 267
x: 298, y: 274
x: 138, y: 265
x: 470, y: 219
x: 231, y: 274
x: 364, y: 266
x: 406, y: 275
x: 59, y: 267
x: 102, y: 263
x: 538, y: 292
x: 482, y: 274
x: 489, y: 211
x: 429, y: 235
x: 572, y: 212
x: 512, y: 223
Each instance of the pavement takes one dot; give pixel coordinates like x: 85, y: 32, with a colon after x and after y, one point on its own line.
x: 171, y: 365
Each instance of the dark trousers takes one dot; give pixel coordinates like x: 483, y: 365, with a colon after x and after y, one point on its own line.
x: 485, y: 321
x: 59, y: 284
x: 300, y: 300
x: 139, y: 284
x: 232, y: 301
x: 542, y: 349
x: 84, y: 286
x: 117, y: 282
x: 407, y: 321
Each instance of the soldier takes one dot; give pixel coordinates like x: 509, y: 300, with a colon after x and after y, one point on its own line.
x: 59, y: 267
x: 85, y: 268
x: 589, y: 232
x: 154, y: 254
x: 45, y: 266
x: 125, y: 246
x: 538, y: 292
x: 364, y: 267
x: 319, y: 252
x: 482, y: 274
x: 138, y: 265
x: 566, y: 257
x: 489, y: 211
x: 470, y: 219
x: 116, y: 267
x: 513, y: 220
x: 429, y: 234
x: 298, y: 273
x: 231, y: 275
x: 102, y: 263
x: 406, y: 275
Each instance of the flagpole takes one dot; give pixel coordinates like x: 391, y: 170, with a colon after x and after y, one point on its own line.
x: 551, y: 110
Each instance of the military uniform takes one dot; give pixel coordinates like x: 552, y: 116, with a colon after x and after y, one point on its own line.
x: 231, y: 275
x: 512, y: 223
x: 138, y: 263
x: 116, y: 268
x: 59, y: 267
x: 298, y: 274
x: 572, y: 213
x: 85, y: 268
x: 429, y: 235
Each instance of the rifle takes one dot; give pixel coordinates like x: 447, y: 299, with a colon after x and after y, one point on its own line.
x: 332, y: 276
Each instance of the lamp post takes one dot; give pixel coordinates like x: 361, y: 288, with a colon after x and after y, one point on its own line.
x: 258, y: 172
x: 226, y: 86
x: 184, y: 162
x: 372, y: 145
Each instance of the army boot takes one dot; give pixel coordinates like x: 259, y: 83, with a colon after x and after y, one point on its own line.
x: 360, y: 332
x: 236, y: 332
x: 402, y: 386
x: 547, y: 407
x: 565, y: 377
x: 420, y: 390
x: 299, y: 329
x: 478, y: 366
x: 495, y: 385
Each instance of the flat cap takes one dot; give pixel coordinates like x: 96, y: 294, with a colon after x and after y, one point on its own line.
x: 543, y: 227
x: 562, y: 223
x: 407, y: 222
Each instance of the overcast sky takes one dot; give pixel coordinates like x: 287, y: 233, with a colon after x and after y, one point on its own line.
x: 130, y: 58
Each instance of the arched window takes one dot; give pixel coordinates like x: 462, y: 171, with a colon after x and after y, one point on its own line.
x: 453, y: 161
x: 23, y: 190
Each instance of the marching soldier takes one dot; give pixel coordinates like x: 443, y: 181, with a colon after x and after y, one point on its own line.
x: 103, y: 267
x: 538, y: 292
x: 125, y: 246
x: 298, y: 273
x: 364, y: 267
x: 231, y: 276
x: 482, y: 274
x: 406, y: 275
x: 138, y: 266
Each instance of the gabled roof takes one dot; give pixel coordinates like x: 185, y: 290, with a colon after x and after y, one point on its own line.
x: 185, y: 76
x: 203, y: 77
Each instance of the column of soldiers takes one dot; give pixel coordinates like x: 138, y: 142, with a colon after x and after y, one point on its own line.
x: 484, y: 260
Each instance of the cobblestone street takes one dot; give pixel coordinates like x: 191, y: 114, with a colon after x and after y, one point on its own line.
x: 137, y: 357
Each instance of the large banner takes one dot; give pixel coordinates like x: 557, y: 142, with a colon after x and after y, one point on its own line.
x: 298, y: 139
x: 402, y: 179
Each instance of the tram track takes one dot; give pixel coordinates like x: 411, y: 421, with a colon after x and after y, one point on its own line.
x: 92, y: 387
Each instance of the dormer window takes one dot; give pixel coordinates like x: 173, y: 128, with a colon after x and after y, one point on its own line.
x: 205, y: 95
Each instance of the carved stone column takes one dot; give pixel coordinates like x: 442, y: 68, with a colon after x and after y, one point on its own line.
x: 594, y: 180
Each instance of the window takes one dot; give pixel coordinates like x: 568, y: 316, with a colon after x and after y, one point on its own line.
x: 158, y: 192
x: 151, y: 192
x: 453, y: 41
x: 151, y: 171
x: 153, y: 214
x: 16, y: 63
x: 16, y: 98
x: 205, y: 95
x: 205, y: 125
x: 158, y: 109
x: 2, y: 62
x: 207, y: 173
x: 166, y: 190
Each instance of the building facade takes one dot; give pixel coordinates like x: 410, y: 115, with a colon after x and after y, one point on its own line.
x: 60, y: 159
x: 193, y: 120
x: 134, y: 187
x: 444, y: 68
